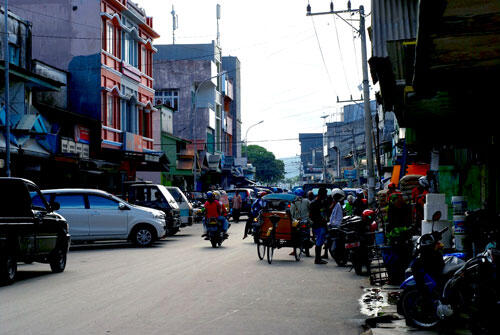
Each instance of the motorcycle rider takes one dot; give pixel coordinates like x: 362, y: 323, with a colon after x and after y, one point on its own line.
x: 299, y: 210
x: 318, y: 213
x: 257, y: 206
x: 222, y: 218
x: 212, y: 210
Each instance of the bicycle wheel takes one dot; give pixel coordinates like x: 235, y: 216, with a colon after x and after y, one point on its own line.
x: 261, y: 250
x: 270, y: 252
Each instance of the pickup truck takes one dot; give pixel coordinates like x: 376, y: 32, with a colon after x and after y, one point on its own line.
x: 30, y: 231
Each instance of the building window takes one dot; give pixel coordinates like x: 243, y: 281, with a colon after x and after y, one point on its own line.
x: 110, y: 38
x: 210, y: 140
x: 129, y: 49
x: 144, y: 60
x: 14, y: 54
x: 109, y: 110
x: 169, y: 98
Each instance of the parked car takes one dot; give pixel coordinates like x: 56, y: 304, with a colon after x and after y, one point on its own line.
x: 30, y: 231
x: 95, y: 215
x: 185, y: 207
x: 157, y: 197
x: 247, y: 198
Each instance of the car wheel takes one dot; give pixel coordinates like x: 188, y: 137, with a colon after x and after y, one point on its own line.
x: 57, y: 260
x: 143, y: 236
x: 8, y: 269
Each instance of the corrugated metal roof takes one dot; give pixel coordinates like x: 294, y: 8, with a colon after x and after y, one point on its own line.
x: 392, y: 20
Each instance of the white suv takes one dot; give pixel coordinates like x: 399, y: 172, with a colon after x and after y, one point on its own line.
x: 97, y: 215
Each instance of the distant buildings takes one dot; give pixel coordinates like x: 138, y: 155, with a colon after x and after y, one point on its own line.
x: 311, y: 156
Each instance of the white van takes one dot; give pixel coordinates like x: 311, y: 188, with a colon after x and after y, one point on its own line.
x: 184, y: 205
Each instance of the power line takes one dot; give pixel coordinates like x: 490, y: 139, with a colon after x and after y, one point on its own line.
x: 341, y: 56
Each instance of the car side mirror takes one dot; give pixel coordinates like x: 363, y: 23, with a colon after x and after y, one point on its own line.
x: 123, y: 207
x: 54, y: 206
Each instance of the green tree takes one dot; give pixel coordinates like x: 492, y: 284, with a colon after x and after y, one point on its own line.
x: 268, y: 169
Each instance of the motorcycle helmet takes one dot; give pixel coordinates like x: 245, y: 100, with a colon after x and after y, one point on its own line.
x: 216, y: 195
x: 350, y: 198
x: 422, y: 181
x: 368, y: 215
x: 210, y: 195
x: 338, y: 194
x: 299, y: 192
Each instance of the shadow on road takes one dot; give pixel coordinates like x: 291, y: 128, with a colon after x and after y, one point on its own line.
x: 23, y: 275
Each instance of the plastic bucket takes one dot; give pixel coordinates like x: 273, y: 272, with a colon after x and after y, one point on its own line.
x: 379, y: 238
x: 459, y: 205
x: 459, y: 242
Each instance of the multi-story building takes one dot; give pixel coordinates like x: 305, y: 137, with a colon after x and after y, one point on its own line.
x: 311, y: 155
x: 190, y: 79
x: 107, y: 47
x: 33, y: 139
x: 231, y: 66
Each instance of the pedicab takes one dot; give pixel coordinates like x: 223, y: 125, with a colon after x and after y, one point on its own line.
x: 276, y: 229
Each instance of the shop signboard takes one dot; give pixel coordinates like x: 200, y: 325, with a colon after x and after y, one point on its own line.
x: 349, y: 174
x: 133, y: 142
x: 82, y: 134
x: 68, y: 146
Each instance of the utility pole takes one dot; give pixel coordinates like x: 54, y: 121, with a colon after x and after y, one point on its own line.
x: 6, y: 105
x: 366, y: 87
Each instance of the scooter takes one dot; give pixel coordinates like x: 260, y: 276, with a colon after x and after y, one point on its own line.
x: 215, y: 232
x: 421, y: 297
x: 341, y: 239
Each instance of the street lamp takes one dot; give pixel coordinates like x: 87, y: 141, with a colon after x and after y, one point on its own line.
x: 193, y: 113
x: 246, y: 134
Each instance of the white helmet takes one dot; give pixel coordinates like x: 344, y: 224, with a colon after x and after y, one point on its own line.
x: 350, y: 198
x: 217, y: 195
x: 338, y: 194
x: 423, y: 182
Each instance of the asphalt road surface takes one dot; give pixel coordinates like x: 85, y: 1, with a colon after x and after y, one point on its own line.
x: 182, y: 286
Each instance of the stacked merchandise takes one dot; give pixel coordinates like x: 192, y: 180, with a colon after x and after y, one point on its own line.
x: 382, y: 204
x: 407, y: 184
x: 435, y: 202
x: 459, y: 208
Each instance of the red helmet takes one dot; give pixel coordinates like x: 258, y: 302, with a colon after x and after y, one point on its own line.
x: 391, y: 186
x: 368, y: 214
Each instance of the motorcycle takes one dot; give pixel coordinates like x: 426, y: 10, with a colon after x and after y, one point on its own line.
x: 303, y: 233
x: 215, y: 232
x: 341, y: 239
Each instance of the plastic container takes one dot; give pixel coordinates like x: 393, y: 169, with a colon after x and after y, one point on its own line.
x: 459, y: 224
x: 459, y: 204
x: 379, y: 238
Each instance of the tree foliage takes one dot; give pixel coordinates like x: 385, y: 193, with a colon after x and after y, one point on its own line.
x: 268, y: 169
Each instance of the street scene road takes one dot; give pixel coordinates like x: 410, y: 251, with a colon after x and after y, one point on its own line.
x: 182, y: 285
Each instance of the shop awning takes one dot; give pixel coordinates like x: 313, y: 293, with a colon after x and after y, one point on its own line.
x: 13, y: 147
x: 30, y: 147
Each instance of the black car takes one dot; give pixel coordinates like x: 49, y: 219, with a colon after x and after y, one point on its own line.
x: 30, y: 231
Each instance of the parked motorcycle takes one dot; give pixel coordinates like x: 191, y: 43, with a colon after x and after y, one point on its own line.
x: 443, y: 287
x: 215, y: 232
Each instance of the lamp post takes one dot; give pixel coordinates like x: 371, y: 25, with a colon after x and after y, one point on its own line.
x: 193, y: 114
x: 246, y: 134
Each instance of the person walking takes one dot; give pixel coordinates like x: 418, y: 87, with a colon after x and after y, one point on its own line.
x: 236, y: 205
x: 299, y: 210
x: 318, y: 215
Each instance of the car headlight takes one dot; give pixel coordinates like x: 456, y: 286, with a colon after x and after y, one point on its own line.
x: 159, y: 216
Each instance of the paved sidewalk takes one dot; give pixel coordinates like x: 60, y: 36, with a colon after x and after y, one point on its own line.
x: 380, y: 304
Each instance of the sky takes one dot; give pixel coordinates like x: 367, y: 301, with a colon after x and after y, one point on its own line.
x: 293, y: 67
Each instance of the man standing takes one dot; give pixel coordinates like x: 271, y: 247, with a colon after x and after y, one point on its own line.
x: 299, y: 210
x: 237, y: 207
x: 319, y: 217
